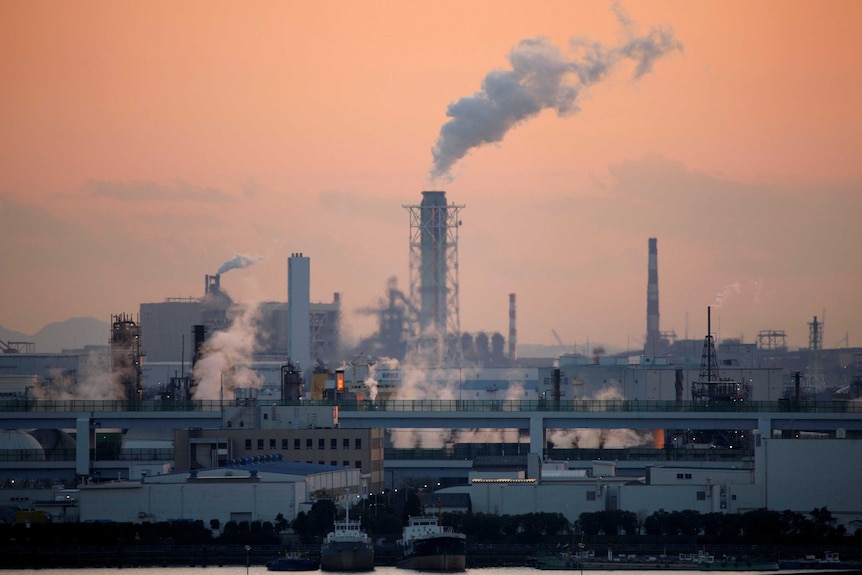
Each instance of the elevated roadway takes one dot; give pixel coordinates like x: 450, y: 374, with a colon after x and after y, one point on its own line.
x: 832, y: 417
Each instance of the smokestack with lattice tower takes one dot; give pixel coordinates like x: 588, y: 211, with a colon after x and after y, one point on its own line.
x: 434, y: 278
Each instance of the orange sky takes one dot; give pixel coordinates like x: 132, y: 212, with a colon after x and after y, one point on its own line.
x: 145, y: 143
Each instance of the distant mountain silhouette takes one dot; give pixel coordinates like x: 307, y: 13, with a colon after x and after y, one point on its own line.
x: 74, y: 333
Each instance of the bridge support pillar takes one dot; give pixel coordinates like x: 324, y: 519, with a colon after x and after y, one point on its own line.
x: 537, y: 435
x: 82, y: 446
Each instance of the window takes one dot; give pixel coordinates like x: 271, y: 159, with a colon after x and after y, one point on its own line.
x: 688, y: 475
x: 321, y: 443
x: 358, y: 443
x: 320, y: 462
x: 345, y: 464
x: 358, y: 464
x: 701, y: 495
x: 284, y: 443
x: 248, y: 443
x: 333, y: 444
x: 346, y: 443
x: 296, y: 443
x: 260, y: 444
x: 272, y: 443
x: 333, y: 463
x: 308, y: 444
x: 591, y: 495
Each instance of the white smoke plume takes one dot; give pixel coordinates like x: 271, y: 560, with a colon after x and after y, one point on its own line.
x: 237, y: 261
x: 420, y: 382
x: 589, y: 438
x: 542, y: 77
x: 371, y: 384
x: 95, y: 380
x: 726, y: 292
x: 226, y: 357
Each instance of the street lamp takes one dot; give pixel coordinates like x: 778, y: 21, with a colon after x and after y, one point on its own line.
x: 247, y: 549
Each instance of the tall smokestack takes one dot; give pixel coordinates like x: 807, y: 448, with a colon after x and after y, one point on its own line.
x: 433, y: 289
x: 299, y: 313
x: 513, y: 340
x: 434, y: 277
x: 653, y: 335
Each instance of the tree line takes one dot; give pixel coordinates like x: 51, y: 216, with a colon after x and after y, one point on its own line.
x: 384, y: 522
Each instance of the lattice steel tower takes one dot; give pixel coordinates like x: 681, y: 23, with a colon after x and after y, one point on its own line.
x: 815, y: 358
x: 434, y: 287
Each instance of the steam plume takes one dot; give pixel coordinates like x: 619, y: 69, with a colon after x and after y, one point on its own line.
x: 237, y: 261
x: 726, y: 292
x: 227, y: 356
x: 541, y: 77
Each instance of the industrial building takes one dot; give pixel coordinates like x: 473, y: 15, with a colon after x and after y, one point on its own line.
x: 777, y: 481
x: 259, y: 490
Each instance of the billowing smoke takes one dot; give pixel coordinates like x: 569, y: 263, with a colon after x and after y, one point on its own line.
x: 237, y: 261
x: 541, y: 77
x: 589, y: 438
x: 420, y: 383
x: 371, y: 385
x: 95, y: 380
x: 226, y: 357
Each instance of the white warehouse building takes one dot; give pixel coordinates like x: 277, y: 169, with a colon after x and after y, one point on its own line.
x: 795, y: 475
x: 253, y: 492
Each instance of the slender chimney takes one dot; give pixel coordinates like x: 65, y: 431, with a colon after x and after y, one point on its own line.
x: 513, y: 340
x: 653, y: 335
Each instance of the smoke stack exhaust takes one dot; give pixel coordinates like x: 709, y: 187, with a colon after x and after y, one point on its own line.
x: 513, y: 339
x: 653, y: 335
x: 212, y: 284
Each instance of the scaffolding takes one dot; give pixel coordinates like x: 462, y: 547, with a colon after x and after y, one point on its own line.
x: 434, y: 285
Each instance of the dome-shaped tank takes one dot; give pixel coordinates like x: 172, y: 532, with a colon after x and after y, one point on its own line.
x: 14, y: 440
x: 54, y: 441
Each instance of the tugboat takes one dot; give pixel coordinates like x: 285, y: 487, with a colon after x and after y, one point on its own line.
x: 293, y: 561
x: 347, y: 547
x: 426, y: 545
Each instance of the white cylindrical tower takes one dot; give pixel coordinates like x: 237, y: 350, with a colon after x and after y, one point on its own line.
x: 299, y: 313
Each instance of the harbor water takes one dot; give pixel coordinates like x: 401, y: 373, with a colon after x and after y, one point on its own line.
x: 261, y: 570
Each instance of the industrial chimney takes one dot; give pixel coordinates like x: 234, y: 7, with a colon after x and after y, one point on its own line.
x: 513, y: 345
x: 299, y: 313
x: 212, y: 284
x: 653, y: 335
x: 434, y: 277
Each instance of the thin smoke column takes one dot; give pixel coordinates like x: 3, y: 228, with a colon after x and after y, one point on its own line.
x: 541, y: 78
x: 237, y: 261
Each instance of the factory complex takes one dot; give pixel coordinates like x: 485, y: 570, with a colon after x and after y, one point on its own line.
x: 204, y: 408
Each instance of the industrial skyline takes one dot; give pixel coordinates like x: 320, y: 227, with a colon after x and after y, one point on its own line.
x: 146, y: 145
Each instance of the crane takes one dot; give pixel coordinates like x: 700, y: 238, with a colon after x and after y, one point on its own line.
x: 557, y: 337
